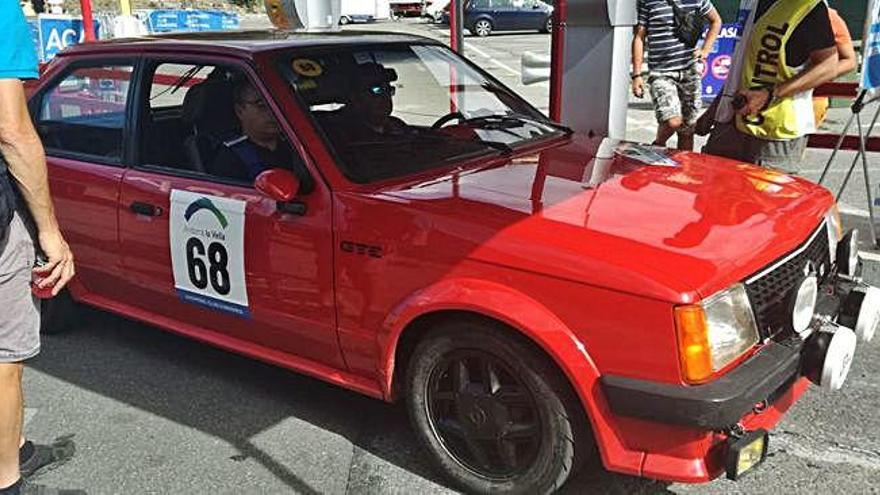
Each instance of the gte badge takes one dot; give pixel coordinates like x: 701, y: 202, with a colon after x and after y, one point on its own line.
x: 207, y: 251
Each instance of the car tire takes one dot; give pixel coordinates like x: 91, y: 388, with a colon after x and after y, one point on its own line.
x: 344, y: 20
x: 542, y: 412
x: 482, y: 28
x: 548, y: 26
x: 57, y: 313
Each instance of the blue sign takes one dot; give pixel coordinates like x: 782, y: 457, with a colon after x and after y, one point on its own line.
x: 53, y: 33
x: 165, y: 20
x: 871, y: 49
x: 719, y: 61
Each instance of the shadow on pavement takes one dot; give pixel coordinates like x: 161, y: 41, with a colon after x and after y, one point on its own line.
x: 234, y: 398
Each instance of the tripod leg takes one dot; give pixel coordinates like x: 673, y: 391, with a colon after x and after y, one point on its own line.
x: 852, y: 166
x: 849, y: 122
x: 864, y: 155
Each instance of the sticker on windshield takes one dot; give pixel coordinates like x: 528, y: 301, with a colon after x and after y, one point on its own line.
x: 646, y: 154
x: 207, y: 251
x: 307, y: 68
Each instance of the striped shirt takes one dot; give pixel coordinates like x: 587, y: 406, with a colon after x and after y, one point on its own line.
x: 665, y: 51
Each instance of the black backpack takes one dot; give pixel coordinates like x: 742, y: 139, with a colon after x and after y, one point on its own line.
x: 8, y: 198
x: 688, y: 25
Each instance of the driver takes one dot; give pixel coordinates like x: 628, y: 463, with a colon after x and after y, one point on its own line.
x: 367, y: 115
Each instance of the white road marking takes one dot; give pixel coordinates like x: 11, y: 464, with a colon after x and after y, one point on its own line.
x: 491, y: 59
x: 819, y: 453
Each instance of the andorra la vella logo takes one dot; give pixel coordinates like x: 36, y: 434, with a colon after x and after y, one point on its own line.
x: 205, y: 204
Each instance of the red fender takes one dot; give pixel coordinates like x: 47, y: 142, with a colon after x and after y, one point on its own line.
x: 533, y: 320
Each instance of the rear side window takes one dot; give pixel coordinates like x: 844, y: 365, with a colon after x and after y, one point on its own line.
x: 83, y: 113
x: 171, y: 83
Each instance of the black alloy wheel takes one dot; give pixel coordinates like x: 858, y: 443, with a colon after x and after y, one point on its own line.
x: 485, y: 418
x: 494, y: 412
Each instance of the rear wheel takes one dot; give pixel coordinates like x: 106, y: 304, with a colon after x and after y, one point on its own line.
x: 57, y: 313
x: 494, y: 413
x: 344, y: 20
x: 548, y: 25
x: 482, y: 28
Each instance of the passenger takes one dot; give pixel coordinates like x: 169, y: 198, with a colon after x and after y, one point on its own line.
x: 261, y: 145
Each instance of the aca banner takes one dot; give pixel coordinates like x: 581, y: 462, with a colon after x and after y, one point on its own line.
x: 53, y: 33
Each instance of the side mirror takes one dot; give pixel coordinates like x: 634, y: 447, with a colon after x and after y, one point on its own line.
x: 278, y: 184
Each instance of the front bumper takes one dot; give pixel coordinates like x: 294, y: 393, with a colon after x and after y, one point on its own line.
x: 713, y: 406
x: 686, y: 432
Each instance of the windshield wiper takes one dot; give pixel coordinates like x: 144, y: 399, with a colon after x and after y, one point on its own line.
x: 504, y: 148
x: 520, y: 120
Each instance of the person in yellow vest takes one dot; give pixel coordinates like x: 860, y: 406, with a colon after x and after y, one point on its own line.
x: 846, y: 61
x: 765, y: 113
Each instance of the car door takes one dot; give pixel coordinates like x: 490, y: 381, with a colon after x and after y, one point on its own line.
x: 505, y: 14
x: 211, y: 256
x: 80, y: 115
x: 532, y: 15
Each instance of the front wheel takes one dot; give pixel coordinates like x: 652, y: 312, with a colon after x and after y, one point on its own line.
x: 494, y: 413
x: 548, y: 25
x: 482, y: 28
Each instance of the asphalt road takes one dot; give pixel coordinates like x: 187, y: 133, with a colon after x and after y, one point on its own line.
x: 149, y: 412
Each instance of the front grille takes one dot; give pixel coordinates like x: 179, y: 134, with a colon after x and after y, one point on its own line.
x: 770, y: 291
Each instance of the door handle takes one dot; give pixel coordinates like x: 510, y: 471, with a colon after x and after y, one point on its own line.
x: 145, y: 209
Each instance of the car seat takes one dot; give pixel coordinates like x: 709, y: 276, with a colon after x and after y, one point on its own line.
x: 208, y: 111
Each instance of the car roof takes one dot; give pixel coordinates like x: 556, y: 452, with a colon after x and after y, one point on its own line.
x: 244, y: 42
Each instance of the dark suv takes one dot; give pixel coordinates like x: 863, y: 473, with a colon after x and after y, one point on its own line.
x: 482, y: 17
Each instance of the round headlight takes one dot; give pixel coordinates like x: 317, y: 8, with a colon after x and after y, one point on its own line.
x: 869, y: 315
x: 848, y: 253
x: 804, y: 304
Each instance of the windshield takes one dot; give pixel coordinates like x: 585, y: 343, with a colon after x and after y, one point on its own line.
x: 393, y: 110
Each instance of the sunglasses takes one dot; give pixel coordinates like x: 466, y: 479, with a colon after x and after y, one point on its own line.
x: 382, y: 90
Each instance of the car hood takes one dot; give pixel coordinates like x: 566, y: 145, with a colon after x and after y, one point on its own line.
x: 676, y: 226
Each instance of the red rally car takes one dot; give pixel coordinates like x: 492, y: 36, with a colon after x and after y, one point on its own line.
x: 380, y: 213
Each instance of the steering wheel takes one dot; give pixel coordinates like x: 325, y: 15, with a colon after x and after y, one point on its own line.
x: 449, y: 117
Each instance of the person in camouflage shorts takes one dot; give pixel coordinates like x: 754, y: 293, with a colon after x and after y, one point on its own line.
x: 675, y: 77
x: 677, y: 94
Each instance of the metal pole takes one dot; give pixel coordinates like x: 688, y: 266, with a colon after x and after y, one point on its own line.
x: 557, y: 58
x: 456, y: 26
x: 864, y: 154
x: 88, y: 22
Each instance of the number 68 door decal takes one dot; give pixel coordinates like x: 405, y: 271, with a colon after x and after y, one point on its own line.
x: 207, y: 251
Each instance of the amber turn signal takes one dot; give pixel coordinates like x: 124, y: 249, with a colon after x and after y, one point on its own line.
x: 693, y: 343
